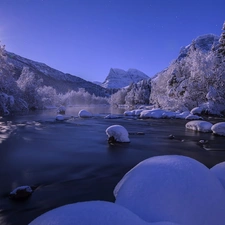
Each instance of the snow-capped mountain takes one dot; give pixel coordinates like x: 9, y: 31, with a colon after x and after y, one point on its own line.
x: 118, y: 78
x: 62, y: 82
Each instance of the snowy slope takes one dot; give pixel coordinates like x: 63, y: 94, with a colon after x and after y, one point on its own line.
x: 51, y: 77
x: 118, y: 78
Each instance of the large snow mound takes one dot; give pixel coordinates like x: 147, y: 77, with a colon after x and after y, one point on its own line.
x: 201, y: 126
x: 219, y: 171
x: 118, y: 132
x: 173, y: 188
x: 219, y: 128
x: 89, y: 213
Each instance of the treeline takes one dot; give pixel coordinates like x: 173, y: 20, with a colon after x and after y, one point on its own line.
x: 28, y: 92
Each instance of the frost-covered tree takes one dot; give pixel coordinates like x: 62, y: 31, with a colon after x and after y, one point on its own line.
x: 221, y: 49
x: 29, y: 85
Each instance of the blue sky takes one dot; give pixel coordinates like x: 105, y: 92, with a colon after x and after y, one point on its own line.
x: 88, y: 37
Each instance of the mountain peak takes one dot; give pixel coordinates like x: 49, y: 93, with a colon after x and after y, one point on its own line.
x: 118, y: 78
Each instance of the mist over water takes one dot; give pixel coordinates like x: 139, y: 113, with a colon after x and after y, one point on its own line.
x: 70, y: 161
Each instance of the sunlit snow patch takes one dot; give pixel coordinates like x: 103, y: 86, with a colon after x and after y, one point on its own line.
x: 201, y: 126
x: 219, y: 128
x: 84, y: 114
x: 119, y: 133
x: 173, y: 188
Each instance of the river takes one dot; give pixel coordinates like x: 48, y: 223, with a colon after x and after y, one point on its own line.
x: 71, y: 161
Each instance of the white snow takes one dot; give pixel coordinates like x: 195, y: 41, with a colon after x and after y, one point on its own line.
x: 219, y: 171
x: 154, y: 113
x: 89, y: 213
x: 182, y: 115
x: 193, y: 117
x: 118, y: 78
x: 25, y: 188
x: 60, y: 117
x: 84, y: 114
x: 219, y: 128
x: 135, y: 112
x: 197, y: 111
x: 118, y: 132
x: 201, y: 126
x: 173, y: 188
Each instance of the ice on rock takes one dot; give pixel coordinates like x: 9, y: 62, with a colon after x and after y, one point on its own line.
x: 84, y: 114
x: 201, y: 126
x: 219, y: 128
x: 119, y: 133
x: 89, y: 213
x: 219, y: 171
x: 172, y: 188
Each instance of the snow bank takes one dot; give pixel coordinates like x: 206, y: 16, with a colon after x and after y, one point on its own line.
x: 201, y: 126
x: 154, y: 113
x: 173, y: 188
x: 136, y: 112
x: 219, y: 128
x: 118, y: 132
x: 89, y: 213
x: 84, y: 114
x: 219, y: 171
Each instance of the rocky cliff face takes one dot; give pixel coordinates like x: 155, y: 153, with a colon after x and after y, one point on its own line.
x: 118, y: 78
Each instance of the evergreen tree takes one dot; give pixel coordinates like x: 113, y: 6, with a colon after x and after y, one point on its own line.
x: 221, y: 49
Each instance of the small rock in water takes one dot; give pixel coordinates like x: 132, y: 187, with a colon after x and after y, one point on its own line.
x: 171, y: 136
x: 203, y: 141
x: 21, y: 193
x: 111, y: 140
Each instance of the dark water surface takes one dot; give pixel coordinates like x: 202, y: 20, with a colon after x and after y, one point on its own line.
x: 71, y: 161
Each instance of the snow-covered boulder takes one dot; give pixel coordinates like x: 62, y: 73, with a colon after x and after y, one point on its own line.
x: 201, y: 126
x: 89, y: 213
x: 154, y: 113
x: 21, y: 193
x: 129, y: 113
x: 193, y: 117
x: 182, y: 115
x: 112, y: 116
x: 60, y: 117
x: 219, y: 128
x: 118, y: 132
x: 197, y: 110
x: 84, y: 114
x: 219, y: 172
x: 172, y: 188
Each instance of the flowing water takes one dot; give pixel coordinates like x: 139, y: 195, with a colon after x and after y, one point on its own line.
x: 71, y: 161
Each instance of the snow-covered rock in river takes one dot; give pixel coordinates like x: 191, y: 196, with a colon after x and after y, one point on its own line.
x: 84, y: 114
x: 60, y: 117
x: 172, y: 188
x: 118, y: 132
x: 112, y: 116
x: 201, y: 126
x: 193, y: 117
x: 154, y: 113
x: 219, y: 171
x: 21, y: 193
x: 89, y: 213
x: 118, y: 78
x: 219, y: 128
